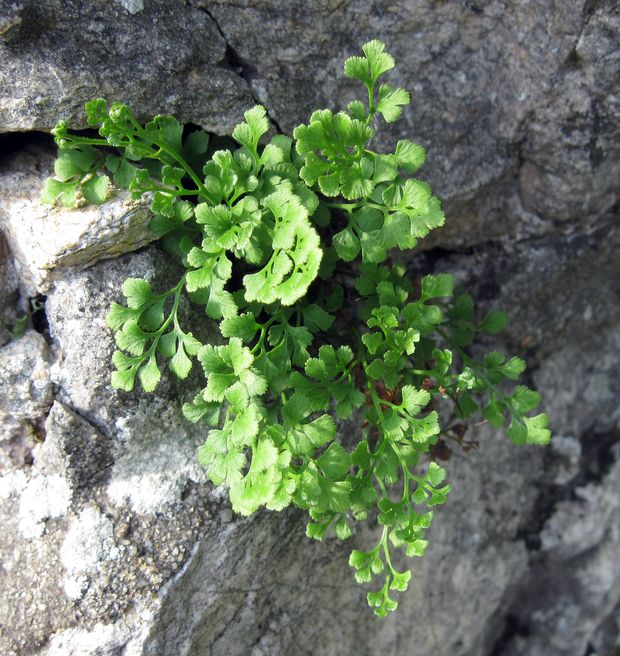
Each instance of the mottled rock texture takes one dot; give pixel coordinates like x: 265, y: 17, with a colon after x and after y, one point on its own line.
x: 9, y: 292
x: 44, y: 240
x: 111, y: 540
x: 159, y: 56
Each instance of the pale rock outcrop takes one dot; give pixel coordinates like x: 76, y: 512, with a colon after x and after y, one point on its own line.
x: 45, y: 239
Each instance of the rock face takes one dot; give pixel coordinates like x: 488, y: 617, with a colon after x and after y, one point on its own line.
x: 517, y: 100
x: 45, y: 239
x: 111, y: 540
x: 157, y: 56
x: 25, y: 397
x: 9, y: 292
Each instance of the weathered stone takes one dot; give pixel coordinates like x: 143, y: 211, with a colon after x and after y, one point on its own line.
x: 44, y: 239
x: 571, y: 152
x: 25, y: 387
x: 162, y: 57
x: 25, y: 397
x: 141, y: 472
x: 76, y: 308
x: 606, y: 641
x: 30, y: 543
x: 74, y: 448
x: 11, y: 20
x: 271, y: 591
x: 576, y: 576
x: 483, y: 145
x: 9, y: 292
x: 88, y: 542
x: 248, y: 582
x: 544, y: 143
x: 43, y: 498
x: 112, y: 505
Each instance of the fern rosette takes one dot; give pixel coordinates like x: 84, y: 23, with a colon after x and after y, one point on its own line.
x: 286, y: 244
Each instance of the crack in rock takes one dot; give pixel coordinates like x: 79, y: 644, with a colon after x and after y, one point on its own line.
x: 233, y: 62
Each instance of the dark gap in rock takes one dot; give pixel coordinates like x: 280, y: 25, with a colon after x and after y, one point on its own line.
x: 13, y: 318
x: 28, y: 458
x: 248, y: 73
x: 599, y: 453
x: 234, y: 63
x: 187, y: 489
x: 473, y: 7
x: 191, y: 127
x: 216, y: 141
x: 485, y: 287
x: 588, y: 9
x: 38, y: 315
x: 426, y: 261
x: 597, y: 153
x: 14, y: 142
x: 572, y: 61
x: 513, y: 627
x: 17, y: 445
x: 38, y: 429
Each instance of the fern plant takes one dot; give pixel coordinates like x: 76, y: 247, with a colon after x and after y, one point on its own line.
x: 286, y: 243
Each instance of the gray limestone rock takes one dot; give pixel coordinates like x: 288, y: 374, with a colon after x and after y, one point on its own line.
x: 109, y: 507
x: 11, y: 20
x: 576, y: 574
x: 9, y: 293
x: 25, y: 397
x: 44, y: 239
x: 152, y: 562
x: 271, y: 591
x: 74, y: 448
x: 25, y: 387
x: 112, y: 541
x: 516, y: 103
x: 160, y: 57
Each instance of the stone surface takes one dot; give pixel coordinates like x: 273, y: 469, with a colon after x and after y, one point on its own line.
x: 576, y: 575
x: 273, y: 592
x: 44, y: 239
x: 9, y: 292
x: 112, y: 542
x: 109, y: 507
x: 161, y: 56
x: 25, y: 397
x: 515, y: 101
x: 25, y: 386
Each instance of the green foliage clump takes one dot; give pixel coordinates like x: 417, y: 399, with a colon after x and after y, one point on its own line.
x: 286, y: 243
